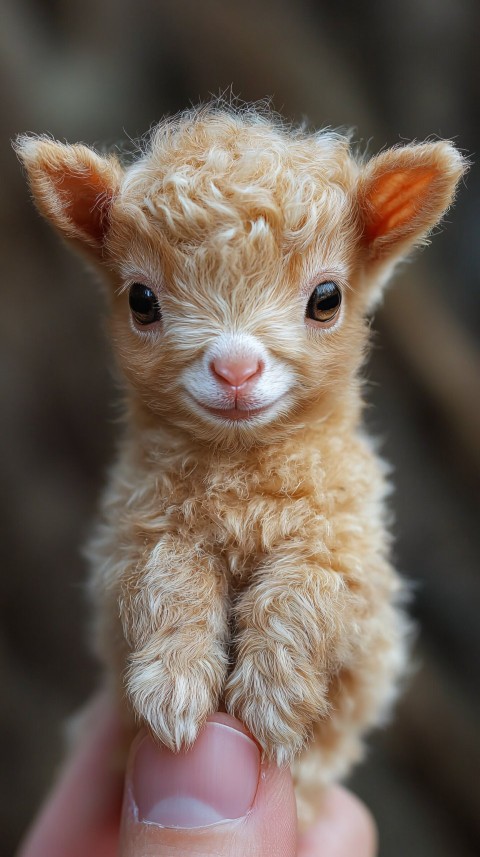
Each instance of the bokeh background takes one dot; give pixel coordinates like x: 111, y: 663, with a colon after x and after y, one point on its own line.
x: 102, y: 71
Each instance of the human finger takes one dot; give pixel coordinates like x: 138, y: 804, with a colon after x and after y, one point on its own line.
x: 344, y: 828
x: 216, y: 798
x: 81, y: 815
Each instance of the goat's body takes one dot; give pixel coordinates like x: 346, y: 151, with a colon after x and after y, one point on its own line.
x: 226, y: 518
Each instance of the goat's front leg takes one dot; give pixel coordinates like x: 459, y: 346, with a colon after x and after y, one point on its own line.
x: 174, y: 617
x: 293, y: 633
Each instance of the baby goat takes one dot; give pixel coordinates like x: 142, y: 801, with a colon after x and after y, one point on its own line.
x: 242, y: 553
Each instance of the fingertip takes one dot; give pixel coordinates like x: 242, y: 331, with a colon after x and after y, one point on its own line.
x: 217, y: 797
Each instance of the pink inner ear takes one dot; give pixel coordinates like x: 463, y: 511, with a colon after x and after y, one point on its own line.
x: 394, y: 200
x: 87, y: 201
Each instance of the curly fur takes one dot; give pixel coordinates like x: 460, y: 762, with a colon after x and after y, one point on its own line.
x: 247, y: 561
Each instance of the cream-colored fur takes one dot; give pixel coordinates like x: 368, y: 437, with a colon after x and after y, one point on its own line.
x: 247, y: 560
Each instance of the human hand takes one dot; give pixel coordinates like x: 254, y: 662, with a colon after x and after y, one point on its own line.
x: 217, y: 799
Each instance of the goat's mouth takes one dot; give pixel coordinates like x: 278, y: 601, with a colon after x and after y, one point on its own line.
x: 237, y: 413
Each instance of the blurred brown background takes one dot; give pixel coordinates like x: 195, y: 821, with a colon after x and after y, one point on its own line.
x: 101, y: 72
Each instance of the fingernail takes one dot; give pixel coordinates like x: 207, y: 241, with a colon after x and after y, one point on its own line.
x: 214, y: 781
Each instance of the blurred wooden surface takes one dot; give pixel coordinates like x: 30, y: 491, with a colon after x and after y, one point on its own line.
x: 100, y: 72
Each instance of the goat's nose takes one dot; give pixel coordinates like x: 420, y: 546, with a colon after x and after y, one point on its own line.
x: 236, y: 370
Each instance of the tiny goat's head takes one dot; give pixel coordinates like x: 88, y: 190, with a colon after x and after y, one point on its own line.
x: 242, y: 258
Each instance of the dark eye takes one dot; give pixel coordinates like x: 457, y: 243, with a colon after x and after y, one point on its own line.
x: 144, y: 305
x: 324, y: 302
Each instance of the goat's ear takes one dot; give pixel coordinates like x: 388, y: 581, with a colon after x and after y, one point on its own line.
x: 403, y: 193
x: 72, y: 186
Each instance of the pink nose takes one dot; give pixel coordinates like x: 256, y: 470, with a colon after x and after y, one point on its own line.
x: 236, y: 370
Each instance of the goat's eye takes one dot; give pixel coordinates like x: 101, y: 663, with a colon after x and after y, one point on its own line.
x: 324, y: 302
x: 143, y: 304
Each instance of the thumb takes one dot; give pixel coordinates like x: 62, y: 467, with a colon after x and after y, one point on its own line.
x: 215, y: 799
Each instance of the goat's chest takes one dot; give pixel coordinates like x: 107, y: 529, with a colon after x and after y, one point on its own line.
x: 241, y: 518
